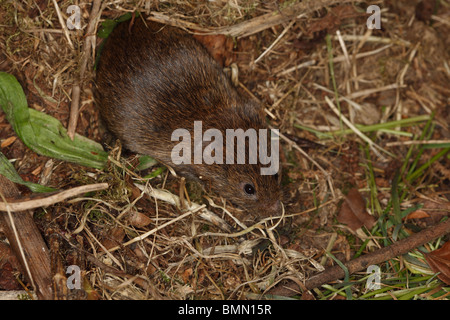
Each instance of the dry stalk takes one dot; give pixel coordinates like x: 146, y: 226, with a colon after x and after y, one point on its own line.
x: 89, y: 44
x: 371, y: 144
x: 43, y: 202
x: 63, y: 24
x: 257, y: 24
x: 19, y: 243
x: 306, y: 155
x: 172, y: 199
x: 416, y: 142
x: 149, y: 233
x: 275, y: 42
x: 350, y: 37
x: 363, y: 54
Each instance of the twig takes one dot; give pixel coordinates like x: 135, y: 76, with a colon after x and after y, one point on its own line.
x: 362, y: 93
x: 258, y: 24
x: 344, y: 49
x: 305, y: 64
x: 74, y: 109
x: 168, y: 197
x: 154, y: 230
x: 350, y: 37
x: 63, y: 24
x: 415, y: 142
x: 89, y: 43
x: 372, y: 144
x: 275, y: 42
x: 271, y: 19
x: 61, y: 196
x: 441, y: 20
x: 27, y: 243
x: 362, y: 54
x: 325, y: 173
x: 396, y: 249
x: 19, y: 243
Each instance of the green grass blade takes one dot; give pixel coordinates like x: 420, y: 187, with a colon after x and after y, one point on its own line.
x: 379, y: 127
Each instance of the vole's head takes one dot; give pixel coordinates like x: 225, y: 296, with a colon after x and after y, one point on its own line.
x: 244, y: 186
x: 252, y: 178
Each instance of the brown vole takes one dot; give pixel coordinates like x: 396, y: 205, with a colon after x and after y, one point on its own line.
x: 153, y: 79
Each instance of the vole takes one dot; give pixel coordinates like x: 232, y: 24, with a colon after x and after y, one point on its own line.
x: 153, y: 79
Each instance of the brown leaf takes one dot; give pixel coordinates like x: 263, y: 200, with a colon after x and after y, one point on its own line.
x: 9, y: 265
x: 114, y: 238
x: 424, y: 10
x: 6, y: 255
x: 353, y: 212
x: 186, y: 275
x: 92, y: 294
x: 418, y: 214
x: 37, y: 171
x: 439, y: 261
x: 436, y: 210
x: 219, y: 46
x: 333, y: 19
x: 138, y: 219
x: 40, y: 6
x: 8, y: 141
x: 346, y: 216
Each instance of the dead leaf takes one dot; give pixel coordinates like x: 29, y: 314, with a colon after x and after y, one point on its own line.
x: 92, y: 294
x: 386, y: 98
x: 443, y: 170
x: 138, y: 219
x: 369, y: 114
x: 37, y: 171
x: 219, y: 46
x: 346, y: 216
x: 307, y: 295
x: 8, y: 141
x: 436, y: 209
x: 353, y: 212
x: 9, y: 266
x: 333, y: 19
x: 418, y: 214
x: 114, y: 238
x: 424, y: 10
x: 186, y: 275
x: 382, y: 182
x: 439, y: 261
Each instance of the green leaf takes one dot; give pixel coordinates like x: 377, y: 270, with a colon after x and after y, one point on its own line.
x: 106, y: 28
x: 145, y: 162
x: 348, y: 292
x: 44, y: 134
x: 155, y: 173
x: 108, y: 25
x: 8, y: 170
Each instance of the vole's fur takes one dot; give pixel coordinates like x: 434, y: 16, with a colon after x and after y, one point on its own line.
x: 153, y: 79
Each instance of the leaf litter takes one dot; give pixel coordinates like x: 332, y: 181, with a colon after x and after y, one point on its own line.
x: 197, y: 258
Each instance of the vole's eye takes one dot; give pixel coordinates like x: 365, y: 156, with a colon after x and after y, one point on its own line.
x: 249, y: 189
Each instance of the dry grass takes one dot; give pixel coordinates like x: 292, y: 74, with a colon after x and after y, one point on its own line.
x: 132, y: 246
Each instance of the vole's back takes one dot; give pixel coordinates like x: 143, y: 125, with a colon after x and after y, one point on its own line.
x: 158, y: 78
x: 153, y: 79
